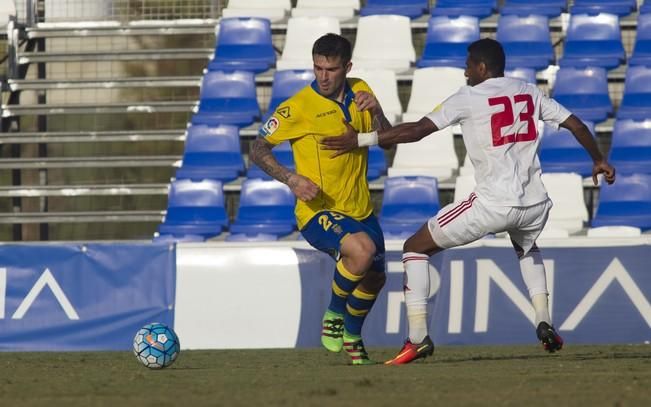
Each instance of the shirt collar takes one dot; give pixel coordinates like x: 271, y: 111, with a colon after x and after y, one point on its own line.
x: 349, y: 97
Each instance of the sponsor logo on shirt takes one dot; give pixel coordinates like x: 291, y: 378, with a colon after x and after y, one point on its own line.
x: 328, y: 113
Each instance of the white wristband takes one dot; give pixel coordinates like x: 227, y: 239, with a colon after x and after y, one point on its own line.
x: 367, y: 139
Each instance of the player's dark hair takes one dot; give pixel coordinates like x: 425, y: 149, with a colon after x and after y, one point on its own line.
x: 333, y: 45
x: 491, y: 53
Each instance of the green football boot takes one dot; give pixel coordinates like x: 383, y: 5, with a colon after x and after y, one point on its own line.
x: 332, y: 331
x: 355, y: 349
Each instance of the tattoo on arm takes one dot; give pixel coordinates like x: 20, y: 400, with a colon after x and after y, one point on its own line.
x: 261, y: 155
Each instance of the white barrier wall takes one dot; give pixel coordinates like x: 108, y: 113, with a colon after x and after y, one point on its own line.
x: 272, y: 295
x: 237, y: 297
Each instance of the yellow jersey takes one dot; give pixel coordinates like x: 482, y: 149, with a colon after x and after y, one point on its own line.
x: 303, y: 120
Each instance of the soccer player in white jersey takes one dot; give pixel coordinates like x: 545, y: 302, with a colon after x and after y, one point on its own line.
x: 498, y: 118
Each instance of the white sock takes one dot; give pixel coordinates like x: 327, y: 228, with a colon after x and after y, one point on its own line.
x: 533, y: 273
x: 416, y: 290
x: 541, y: 305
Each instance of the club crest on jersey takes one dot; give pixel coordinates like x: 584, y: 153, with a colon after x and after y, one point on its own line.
x: 269, y: 127
x: 284, y: 112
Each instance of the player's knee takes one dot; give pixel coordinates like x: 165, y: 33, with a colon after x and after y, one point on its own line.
x: 421, y: 242
x: 411, y: 245
x: 360, y: 250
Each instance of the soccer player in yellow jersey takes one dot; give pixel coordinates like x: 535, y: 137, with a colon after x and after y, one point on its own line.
x: 333, y: 210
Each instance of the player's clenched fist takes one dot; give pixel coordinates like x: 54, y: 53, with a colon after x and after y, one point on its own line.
x: 602, y: 167
x: 304, y: 188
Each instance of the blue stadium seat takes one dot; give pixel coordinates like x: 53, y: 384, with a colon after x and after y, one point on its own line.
x: 526, y: 41
x: 618, y: 7
x: 475, y: 8
x: 645, y: 8
x: 211, y: 153
x: 636, y: 102
x: 630, y: 149
x: 447, y: 41
x: 627, y: 202
x: 525, y: 74
x: 408, y: 8
x: 584, y: 92
x: 561, y: 152
x: 243, y: 44
x: 195, y: 208
x: 265, y: 207
x: 285, y: 84
x: 227, y: 98
x: 407, y: 204
x: 642, y: 47
x: 593, y: 40
x: 377, y: 163
x: 547, y: 8
x: 282, y: 153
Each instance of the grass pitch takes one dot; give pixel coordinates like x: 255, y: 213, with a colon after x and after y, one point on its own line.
x: 454, y: 376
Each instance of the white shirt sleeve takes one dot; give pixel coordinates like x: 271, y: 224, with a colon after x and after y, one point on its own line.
x: 451, y: 111
x: 553, y: 112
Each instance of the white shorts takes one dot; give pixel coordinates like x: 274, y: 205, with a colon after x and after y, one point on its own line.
x: 465, y: 221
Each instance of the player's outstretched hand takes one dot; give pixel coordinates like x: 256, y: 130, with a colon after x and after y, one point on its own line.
x: 304, y: 188
x: 602, y: 167
x: 342, y: 143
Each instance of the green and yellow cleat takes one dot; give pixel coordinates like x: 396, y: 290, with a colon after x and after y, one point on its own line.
x: 332, y: 331
x: 355, y: 349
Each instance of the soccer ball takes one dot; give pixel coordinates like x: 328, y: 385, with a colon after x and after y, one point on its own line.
x: 156, y: 346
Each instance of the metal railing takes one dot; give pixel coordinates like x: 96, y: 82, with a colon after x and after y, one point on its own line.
x: 30, y: 12
x: 26, y: 12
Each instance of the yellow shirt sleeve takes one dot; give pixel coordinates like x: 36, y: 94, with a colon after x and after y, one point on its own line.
x: 285, y: 124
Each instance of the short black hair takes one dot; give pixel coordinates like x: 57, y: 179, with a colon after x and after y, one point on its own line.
x: 333, y: 45
x: 491, y: 53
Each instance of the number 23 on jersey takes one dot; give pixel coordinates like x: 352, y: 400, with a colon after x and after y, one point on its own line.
x: 506, y: 118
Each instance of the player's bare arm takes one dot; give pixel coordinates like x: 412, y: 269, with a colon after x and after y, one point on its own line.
x: 406, y: 133
x: 301, y: 186
x: 366, y: 101
x: 583, y: 136
x: 402, y: 133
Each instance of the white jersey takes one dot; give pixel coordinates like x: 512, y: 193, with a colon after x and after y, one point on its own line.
x: 499, y: 121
